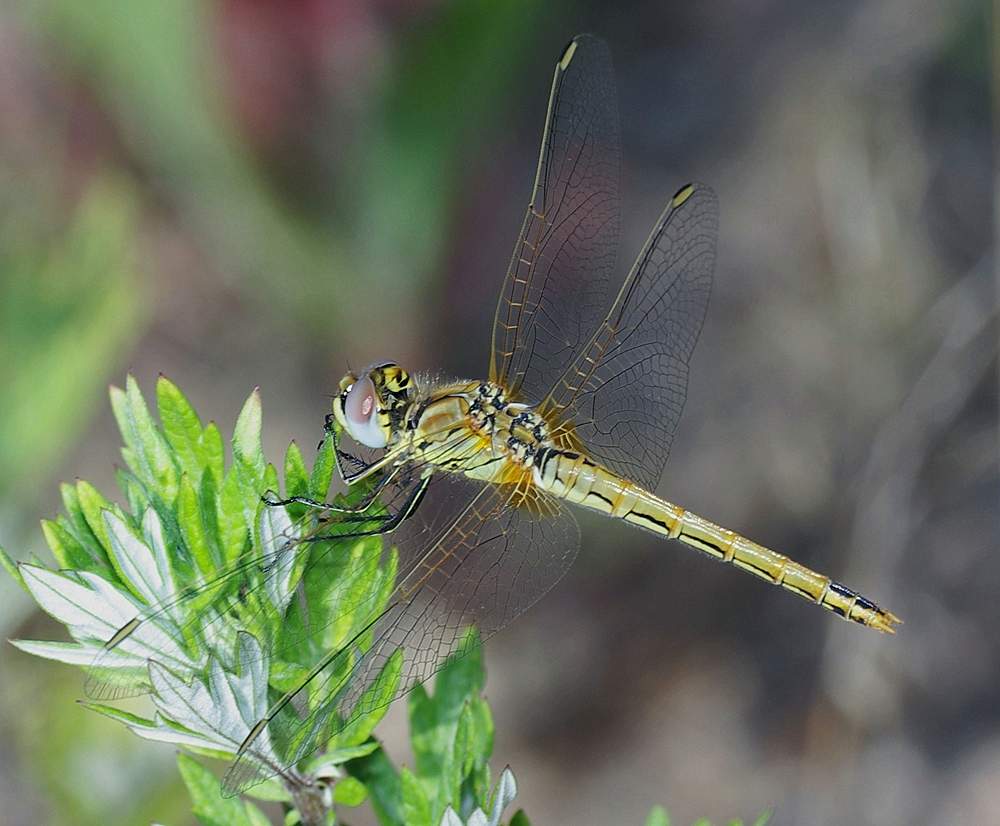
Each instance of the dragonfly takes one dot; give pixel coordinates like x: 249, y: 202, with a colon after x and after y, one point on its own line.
x: 472, y: 481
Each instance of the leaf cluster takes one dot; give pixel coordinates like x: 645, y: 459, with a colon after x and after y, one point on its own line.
x: 227, y: 639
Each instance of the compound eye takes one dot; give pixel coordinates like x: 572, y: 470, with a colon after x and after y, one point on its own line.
x: 360, y: 402
x: 360, y: 408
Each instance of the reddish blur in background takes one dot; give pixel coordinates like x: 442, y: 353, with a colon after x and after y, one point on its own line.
x: 259, y: 192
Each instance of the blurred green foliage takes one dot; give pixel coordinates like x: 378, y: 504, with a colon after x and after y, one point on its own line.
x: 69, y: 305
x: 414, y: 157
x: 659, y: 817
x: 396, y: 176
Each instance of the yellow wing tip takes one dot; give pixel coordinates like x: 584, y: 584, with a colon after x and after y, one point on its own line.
x: 682, y: 195
x: 122, y: 633
x: 254, y: 733
x: 567, y: 55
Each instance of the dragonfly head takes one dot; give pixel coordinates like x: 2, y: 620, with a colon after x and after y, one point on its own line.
x: 369, y: 406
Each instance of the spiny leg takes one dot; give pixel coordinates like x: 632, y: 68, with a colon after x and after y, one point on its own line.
x: 389, y: 522
x: 362, y: 506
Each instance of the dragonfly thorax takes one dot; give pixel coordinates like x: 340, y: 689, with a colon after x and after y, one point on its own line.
x: 515, y: 426
x: 488, y: 402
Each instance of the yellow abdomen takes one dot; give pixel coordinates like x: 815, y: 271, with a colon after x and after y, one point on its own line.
x: 576, y: 478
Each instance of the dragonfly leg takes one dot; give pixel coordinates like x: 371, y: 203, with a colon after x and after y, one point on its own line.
x: 381, y: 522
x: 362, y: 506
x: 391, y: 457
x: 389, y: 522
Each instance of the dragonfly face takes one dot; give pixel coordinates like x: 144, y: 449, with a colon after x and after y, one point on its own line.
x: 370, y: 407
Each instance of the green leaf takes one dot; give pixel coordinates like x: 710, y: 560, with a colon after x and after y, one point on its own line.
x: 71, y: 503
x: 433, y: 719
x: 481, y: 745
x: 383, y: 783
x: 350, y: 792
x: 658, y: 817
x: 322, y: 472
x: 521, y: 819
x: 461, y: 677
x: 208, y: 504
x: 93, y: 505
x: 377, y: 697
x: 340, y: 574
x: 149, y: 455
x: 247, y: 448
x: 450, y: 733
x: 181, y: 427
x: 286, y: 676
x: 136, y: 495
x: 213, y: 450
x: 339, y: 756
x: 763, y: 818
x: 465, y: 739
x: 10, y: 566
x: 77, y: 525
x: 416, y: 806
x: 122, y: 716
x: 296, y: 475
x: 210, y: 807
x: 68, y: 552
x: 270, y: 481
x: 272, y: 791
x: 190, y: 521
x: 231, y: 518
x: 461, y: 758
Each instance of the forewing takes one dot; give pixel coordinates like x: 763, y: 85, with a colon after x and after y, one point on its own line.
x: 622, y: 396
x: 477, y: 559
x: 556, y: 288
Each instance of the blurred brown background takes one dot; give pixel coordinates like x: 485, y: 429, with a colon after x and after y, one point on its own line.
x: 256, y: 192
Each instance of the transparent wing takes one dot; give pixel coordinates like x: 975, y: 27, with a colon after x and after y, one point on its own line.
x: 470, y: 559
x: 556, y: 289
x: 621, y: 397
